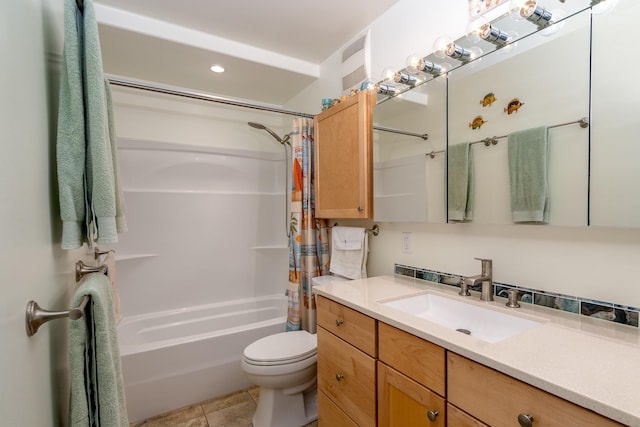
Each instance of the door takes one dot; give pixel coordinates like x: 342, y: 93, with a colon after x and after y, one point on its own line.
x: 33, y: 376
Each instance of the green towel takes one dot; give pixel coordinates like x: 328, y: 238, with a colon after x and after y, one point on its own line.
x: 460, y: 182
x: 70, y: 147
x: 90, y: 197
x: 97, y: 388
x: 528, y: 174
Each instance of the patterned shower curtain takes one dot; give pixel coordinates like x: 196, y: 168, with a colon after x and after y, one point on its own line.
x: 308, y: 245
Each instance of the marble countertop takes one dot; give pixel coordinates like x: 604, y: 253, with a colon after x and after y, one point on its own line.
x: 590, y: 362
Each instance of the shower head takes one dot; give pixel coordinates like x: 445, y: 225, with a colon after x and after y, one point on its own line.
x: 283, y: 140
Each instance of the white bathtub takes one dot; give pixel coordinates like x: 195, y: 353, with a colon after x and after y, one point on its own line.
x: 174, y: 358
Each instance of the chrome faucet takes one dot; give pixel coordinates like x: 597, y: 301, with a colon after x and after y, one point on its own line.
x: 485, y: 277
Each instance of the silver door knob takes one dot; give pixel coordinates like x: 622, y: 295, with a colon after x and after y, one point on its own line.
x: 525, y: 420
x: 432, y: 415
x: 339, y: 377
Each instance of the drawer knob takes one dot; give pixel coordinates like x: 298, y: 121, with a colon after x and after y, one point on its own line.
x: 339, y: 377
x: 525, y: 420
x: 432, y: 415
x: 339, y: 322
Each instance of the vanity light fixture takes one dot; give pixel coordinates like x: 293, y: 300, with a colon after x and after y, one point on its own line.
x: 391, y: 76
x: 493, y: 35
x: 385, y: 89
x: 444, y: 46
x: 405, y: 79
x: 415, y: 64
x: 532, y: 12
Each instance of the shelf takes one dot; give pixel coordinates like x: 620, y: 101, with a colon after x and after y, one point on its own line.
x: 134, y: 256
x: 268, y: 247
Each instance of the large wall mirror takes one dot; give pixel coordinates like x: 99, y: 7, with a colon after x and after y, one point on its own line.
x: 540, y: 81
x: 615, y: 149
x: 409, y: 166
x: 553, y: 76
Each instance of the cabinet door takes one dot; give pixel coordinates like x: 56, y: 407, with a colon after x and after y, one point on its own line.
x: 403, y: 402
x: 344, y: 159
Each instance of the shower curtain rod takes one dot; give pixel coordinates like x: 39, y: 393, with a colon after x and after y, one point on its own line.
x: 118, y: 81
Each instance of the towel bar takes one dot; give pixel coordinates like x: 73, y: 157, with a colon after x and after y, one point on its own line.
x: 82, y: 269
x: 375, y: 230
x: 37, y: 316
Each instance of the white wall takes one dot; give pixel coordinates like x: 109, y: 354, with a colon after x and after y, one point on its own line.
x: 590, y: 262
x: 33, y: 373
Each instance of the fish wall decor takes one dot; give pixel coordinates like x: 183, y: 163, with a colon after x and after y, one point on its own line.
x: 513, y: 106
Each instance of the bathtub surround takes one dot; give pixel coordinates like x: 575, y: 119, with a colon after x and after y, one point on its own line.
x: 174, y: 358
x: 91, y: 206
x: 196, y: 294
x: 597, y: 309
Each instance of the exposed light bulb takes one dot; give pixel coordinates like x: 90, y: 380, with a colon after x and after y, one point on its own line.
x: 412, y: 62
x: 388, y: 74
x: 531, y: 11
x: 442, y: 45
x: 475, y: 29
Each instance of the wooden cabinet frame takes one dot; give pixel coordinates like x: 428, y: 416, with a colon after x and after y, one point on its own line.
x: 344, y: 159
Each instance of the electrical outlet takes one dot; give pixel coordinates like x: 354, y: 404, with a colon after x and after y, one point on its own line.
x: 406, y: 243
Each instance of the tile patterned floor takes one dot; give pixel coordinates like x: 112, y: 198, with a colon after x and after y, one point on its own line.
x: 234, y: 410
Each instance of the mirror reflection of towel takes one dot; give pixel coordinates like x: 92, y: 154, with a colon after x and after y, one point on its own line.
x: 349, y: 250
x: 528, y: 173
x: 460, y: 182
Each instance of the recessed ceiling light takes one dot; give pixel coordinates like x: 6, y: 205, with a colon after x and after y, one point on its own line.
x: 217, y: 68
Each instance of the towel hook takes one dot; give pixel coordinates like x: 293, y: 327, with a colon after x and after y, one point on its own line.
x: 82, y: 269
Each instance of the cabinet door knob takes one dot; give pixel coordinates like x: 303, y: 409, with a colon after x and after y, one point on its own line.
x: 432, y: 415
x: 339, y: 322
x: 339, y: 377
x: 525, y: 420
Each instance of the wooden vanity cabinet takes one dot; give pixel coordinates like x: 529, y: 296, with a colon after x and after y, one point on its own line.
x: 499, y: 400
x: 346, y: 366
x: 373, y: 374
x: 411, y: 380
x: 344, y: 159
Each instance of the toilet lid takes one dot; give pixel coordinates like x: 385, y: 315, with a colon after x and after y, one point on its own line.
x: 285, y: 347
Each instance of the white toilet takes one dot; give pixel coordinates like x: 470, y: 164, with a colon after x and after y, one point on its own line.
x: 284, y: 366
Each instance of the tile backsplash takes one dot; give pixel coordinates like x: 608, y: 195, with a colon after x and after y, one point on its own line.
x: 573, y: 304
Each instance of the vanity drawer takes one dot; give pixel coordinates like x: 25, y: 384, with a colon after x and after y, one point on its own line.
x: 418, y: 359
x: 352, y: 326
x: 348, y: 377
x: 330, y: 415
x: 498, y: 399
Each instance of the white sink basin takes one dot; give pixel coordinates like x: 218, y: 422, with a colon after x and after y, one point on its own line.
x: 483, y: 323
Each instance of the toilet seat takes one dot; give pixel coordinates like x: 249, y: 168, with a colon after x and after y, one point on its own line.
x: 281, y: 349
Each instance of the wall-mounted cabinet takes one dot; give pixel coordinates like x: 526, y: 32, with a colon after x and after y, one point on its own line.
x: 344, y: 159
